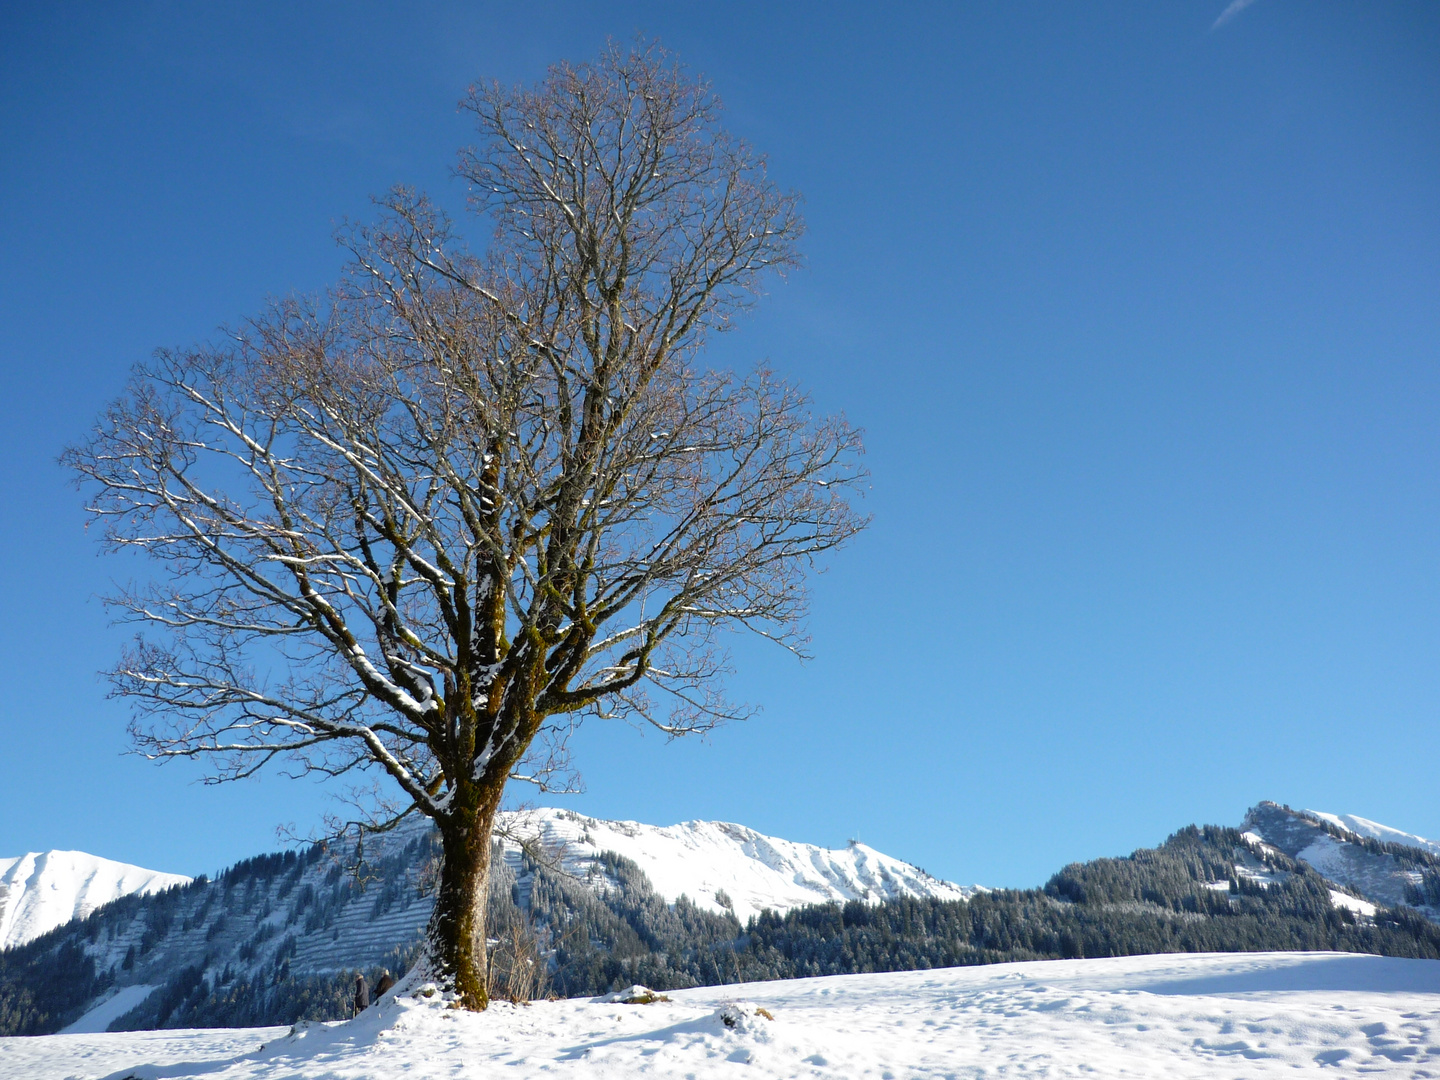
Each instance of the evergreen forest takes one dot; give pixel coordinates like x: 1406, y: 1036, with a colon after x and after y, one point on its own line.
x: 1203, y: 890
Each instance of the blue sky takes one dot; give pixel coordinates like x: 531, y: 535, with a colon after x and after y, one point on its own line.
x: 1141, y: 317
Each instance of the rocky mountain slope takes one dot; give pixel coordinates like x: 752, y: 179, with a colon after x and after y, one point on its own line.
x: 1382, y: 865
x: 1375, y: 831
x: 748, y: 871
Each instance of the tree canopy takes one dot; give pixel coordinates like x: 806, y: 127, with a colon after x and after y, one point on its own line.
x: 425, y: 524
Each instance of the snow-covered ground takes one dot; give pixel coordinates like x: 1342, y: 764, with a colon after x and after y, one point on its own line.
x: 1173, y: 1016
x: 702, y: 858
x: 110, y: 1008
x: 42, y: 890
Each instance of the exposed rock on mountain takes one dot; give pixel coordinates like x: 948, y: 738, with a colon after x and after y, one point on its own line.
x: 1382, y: 871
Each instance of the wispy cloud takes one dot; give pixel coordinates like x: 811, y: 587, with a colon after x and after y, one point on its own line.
x: 1236, y: 6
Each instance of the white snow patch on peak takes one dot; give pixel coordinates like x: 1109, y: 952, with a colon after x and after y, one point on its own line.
x: 1375, y: 831
x: 42, y: 890
x: 703, y: 859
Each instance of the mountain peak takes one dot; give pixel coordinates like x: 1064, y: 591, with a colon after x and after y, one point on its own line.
x: 41, y: 890
x: 705, y: 859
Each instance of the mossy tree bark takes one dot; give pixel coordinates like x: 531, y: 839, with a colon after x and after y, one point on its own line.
x: 456, y: 936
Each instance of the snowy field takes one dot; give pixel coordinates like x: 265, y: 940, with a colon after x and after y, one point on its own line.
x: 1174, y: 1016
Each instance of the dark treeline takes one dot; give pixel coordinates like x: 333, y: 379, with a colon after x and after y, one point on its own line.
x: 42, y: 990
x: 1154, y: 901
x: 555, y: 934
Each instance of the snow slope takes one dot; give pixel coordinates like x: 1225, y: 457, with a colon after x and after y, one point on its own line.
x: 100, y: 1017
x: 702, y: 858
x: 1375, y: 831
x: 1176, y: 1016
x: 42, y: 890
x: 1381, y: 877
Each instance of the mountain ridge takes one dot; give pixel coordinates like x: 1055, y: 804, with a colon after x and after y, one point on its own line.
x: 280, y: 937
x: 698, y: 859
x: 42, y: 890
x: 1382, y: 871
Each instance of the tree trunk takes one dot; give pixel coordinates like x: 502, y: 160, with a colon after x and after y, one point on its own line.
x: 455, y: 940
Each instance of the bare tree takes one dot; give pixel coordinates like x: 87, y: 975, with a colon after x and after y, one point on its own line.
x: 422, y: 528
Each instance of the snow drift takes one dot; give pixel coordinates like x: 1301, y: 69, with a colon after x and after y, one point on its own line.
x: 1201, y: 1016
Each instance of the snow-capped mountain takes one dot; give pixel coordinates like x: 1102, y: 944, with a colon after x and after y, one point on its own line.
x: 1375, y: 831
x: 1384, y: 865
x: 604, y: 904
x: 718, y: 865
x: 274, y: 932
x: 42, y: 890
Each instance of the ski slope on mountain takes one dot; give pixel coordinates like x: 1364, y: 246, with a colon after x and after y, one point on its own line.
x: 42, y: 890
x: 1176, y: 1016
x: 704, y: 859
